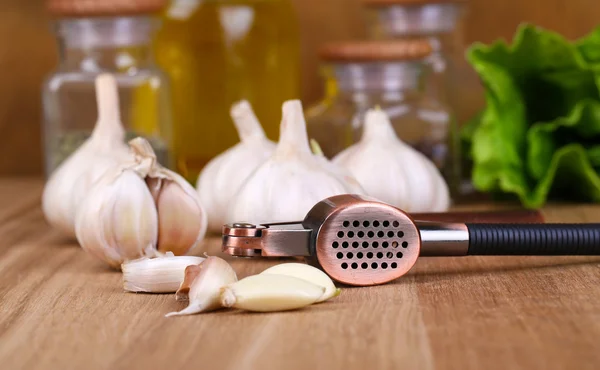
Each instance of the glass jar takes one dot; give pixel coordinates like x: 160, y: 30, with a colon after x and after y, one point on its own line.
x: 440, y: 22
x: 389, y: 74
x: 92, y: 41
x: 217, y: 52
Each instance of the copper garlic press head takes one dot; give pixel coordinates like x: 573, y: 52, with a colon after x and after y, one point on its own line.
x: 354, y: 239
x: 362, y: 242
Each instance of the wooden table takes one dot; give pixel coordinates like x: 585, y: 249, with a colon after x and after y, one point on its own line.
x: 60, y: 309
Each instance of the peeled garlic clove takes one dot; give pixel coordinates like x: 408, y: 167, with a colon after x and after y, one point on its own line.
x: 308, y: 273
x: 69, y: 183
x: 205, y: 286
x: 392, y: 171
x: 222, y: 177
x: 182, y: 220
x: 267, y: 293
x: 156, y: 275
x: 292, y: 181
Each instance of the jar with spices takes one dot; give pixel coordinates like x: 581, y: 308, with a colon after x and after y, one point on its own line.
x: 99, y: 36
x: 361, y: 75
x: 217, y: 52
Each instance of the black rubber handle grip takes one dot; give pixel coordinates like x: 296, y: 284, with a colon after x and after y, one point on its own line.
x: 534, y: 239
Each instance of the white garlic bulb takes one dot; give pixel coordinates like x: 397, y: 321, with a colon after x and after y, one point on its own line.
x: 138, y: 209
x: 392, y: 171
x: 225, y: 174
x: 291, y: 181
x: 69, y: 183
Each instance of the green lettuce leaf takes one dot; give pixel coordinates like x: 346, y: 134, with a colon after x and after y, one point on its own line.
x: 541, y: 118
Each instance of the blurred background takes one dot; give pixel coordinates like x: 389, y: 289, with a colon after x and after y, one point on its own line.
x: 29, y: 54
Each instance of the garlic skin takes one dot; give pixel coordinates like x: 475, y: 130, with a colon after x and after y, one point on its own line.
x: 268, y: 293
x: 203, y: 286
x: 156, y: 275
x: 308, y: 273
x: 139, y: 209
x: 68, y: 184
x: 223, y: 176
x: 392, y: 171
x: 291, y: 181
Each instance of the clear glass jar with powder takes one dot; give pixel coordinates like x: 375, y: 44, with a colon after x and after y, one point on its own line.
x: 95, y: 37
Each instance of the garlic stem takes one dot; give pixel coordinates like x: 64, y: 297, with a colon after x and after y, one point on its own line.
x: 378, y: 127
x: 245, y: 121
x: 144, y: 154
x: 156, y: 275
x: 267, y: 293
x: 108, y: 126
x: 316, y: 148
x: 293, y: 139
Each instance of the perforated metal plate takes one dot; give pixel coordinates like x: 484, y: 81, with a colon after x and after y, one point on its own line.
x: 367, y: 243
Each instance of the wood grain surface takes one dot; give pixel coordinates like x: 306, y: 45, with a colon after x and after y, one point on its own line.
x: 61, y: 309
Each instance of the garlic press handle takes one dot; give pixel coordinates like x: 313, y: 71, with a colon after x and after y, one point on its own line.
x: 283, y: 239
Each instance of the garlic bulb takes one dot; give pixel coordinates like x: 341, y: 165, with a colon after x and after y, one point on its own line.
x: 202, y: 286
x: 69, y: 183
x: 138, y: 209
x: 392, y: 171
x: 157, y: 275
x: 308, y: 273
x: 224, y: 175
x: 353, y: 185
x: 291, y: 181
x: 268, y: 293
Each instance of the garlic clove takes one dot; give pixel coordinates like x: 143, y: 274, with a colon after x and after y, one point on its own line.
x: 222, y: 177
x: 156, y: 275
x: 118, y: 221
x: 392, y: 171
x: 308, y: 273
x: 291, y: 182
x: 267, y: 293
x: 207, y: 280
x: 182, y: 221
x: 68, y: 185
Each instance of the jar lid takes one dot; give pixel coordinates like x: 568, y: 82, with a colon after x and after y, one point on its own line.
x: 376, y: 50
x: 377, y: 3
x: 87, y: 8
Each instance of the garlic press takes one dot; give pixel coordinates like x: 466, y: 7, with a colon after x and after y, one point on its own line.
x: 361, y: 241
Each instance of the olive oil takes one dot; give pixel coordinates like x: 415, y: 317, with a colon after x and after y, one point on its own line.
x: 217, y: 52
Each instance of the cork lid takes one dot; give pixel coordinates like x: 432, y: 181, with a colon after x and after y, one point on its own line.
x: 376, y: 50
x: 377, y: 3
x: 82, y: 8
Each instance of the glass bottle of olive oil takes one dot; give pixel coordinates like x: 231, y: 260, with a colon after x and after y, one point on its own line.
x: 217, y: 52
